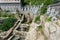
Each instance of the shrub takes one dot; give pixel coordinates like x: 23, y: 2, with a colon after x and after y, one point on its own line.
x: 56, y: 1
x: 48, y: 19
x: 3, y: 15
x: 10, y: 15
x: 37, y: 18
x: 39, y: 27
x: 33, y: 2
x: 6, y: 15
x: 7, y: 24
x: 47, y: 2
x: 43, y: 10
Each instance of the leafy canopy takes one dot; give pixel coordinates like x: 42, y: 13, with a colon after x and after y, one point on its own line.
x: 7, y: 24
x: 33, y: 2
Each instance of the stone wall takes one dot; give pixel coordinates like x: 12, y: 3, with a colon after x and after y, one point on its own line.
x: 54, y: 10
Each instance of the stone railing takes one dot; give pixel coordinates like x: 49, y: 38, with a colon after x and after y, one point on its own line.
x: 31, y: 8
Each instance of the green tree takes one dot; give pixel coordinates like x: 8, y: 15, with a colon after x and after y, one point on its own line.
x: 47, y: 2
x: 56, y: 1
x: 7, y: 24
x: 43, y: 10
x: 37, y: 18
x: 33, y: 2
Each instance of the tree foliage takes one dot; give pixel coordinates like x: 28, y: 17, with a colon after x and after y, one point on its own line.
x: 37, y: 18
x: 7, y: 24
x: 43, y: 10
x: 38, y: 2
x: 33, y: 2
x: 6, y: 15
x: 47, y: 2
x: 56, y: 1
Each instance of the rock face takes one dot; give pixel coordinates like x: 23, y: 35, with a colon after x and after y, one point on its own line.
x: 34, y: 34
x: 52, y: 30
x: 40, y: 36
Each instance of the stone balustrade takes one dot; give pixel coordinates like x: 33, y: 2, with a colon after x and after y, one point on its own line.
x: 31, y: 8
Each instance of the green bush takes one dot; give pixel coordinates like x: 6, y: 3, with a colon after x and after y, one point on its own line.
x: 3, y: 15
x: 10, y: 15
x: 38, y: 2
x: 56, y: 1
x: 6, y: 15
x: 48, y: 2
x: 39, y: 27
x: 7, y: 24
x: 33, y: 2
x: 37, y: 18
x: 48, y: 19
x: 43, y: 10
